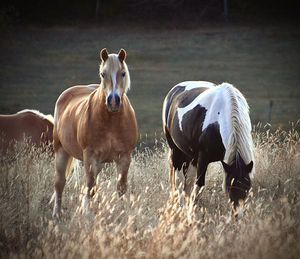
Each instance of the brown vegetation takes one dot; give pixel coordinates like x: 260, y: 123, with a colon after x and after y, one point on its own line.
x: 147, y: 222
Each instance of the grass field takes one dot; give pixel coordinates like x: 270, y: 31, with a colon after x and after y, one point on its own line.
x: 148, y: 222
x: 37, y: 64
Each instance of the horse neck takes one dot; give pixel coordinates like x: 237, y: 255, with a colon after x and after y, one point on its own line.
x: 240, y: 139
x: 98, y: 103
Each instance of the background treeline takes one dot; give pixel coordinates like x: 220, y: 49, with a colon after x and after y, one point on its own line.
x: 66, y: 11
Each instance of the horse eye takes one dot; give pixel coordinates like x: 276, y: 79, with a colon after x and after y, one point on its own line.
x: 103, y: 74
x: 123, y: 74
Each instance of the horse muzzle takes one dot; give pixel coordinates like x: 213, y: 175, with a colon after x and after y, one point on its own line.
x: 113, y: 102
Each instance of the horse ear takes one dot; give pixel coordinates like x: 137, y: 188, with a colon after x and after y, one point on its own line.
x: 249, y: 167
x: 226, y: 167
x: 104, y: 55
x: 122, y: 55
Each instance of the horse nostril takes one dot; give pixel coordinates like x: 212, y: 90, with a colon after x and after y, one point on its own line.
x: 113, y: 102
x: 109, y: 99
x: 117, y: 99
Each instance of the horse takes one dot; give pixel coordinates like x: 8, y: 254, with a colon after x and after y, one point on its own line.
x: 95, y: 124
x: 203, y: 123
x: 26, y: 124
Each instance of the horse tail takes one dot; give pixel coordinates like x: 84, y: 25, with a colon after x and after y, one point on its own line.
x: 69, y: 167
x: 73, y: 165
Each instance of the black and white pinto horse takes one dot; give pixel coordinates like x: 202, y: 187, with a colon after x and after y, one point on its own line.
x: 204, y: 123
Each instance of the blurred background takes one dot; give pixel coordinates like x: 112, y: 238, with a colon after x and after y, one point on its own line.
x: 48, y: 46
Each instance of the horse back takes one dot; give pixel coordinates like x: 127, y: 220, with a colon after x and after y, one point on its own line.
x: 71, y: 98
x: 25, y: 124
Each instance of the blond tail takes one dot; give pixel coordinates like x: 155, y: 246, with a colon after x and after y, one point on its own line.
x: 70, y: 166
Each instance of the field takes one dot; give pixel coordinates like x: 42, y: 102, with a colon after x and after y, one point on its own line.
x: 37, y: 64
x: 148, y: 222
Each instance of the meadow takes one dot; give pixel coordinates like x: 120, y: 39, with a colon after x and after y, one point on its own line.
x: 147, y: 222
x: 38, y: 63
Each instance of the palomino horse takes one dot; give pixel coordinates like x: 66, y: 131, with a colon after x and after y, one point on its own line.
x: 95, y: 124
x: 31, y: 124
x: 204, y: 123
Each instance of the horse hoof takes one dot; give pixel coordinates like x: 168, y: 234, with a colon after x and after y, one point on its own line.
x: 181, y: 198
x: 238, y: 214
x: 56, y: 215
x: 121, y: 189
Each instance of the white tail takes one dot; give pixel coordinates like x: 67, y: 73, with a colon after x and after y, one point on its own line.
x: 73, y: 165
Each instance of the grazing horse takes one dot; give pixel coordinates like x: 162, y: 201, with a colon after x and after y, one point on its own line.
x: 31, y: 124
x: 204, y: 123
x: 95, y: 124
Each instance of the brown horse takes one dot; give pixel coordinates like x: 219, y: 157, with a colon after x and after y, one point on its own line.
x: 31, y: 124
x: 95, y: 124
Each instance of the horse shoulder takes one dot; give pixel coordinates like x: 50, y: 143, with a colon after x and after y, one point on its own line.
x: 121, y: 130
x: 130, y: 117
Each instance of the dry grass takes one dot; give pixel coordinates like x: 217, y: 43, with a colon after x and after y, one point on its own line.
x: 147, y: 222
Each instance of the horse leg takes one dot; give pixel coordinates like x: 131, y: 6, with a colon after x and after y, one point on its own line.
x: 172, y: 172
x: 176, y: 162
x: 190, y: 176
x: 200, y: 181
x: 61, y: 163
x: 123, y: 164
x: 92, y: 167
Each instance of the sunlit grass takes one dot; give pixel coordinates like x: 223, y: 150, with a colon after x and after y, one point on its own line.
x: 147, y: 222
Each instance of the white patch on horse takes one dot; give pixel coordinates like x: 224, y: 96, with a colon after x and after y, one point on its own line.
x: 218, y: 109
x: 189, y: 85
x: 214, y: 108
x: 114, y: 80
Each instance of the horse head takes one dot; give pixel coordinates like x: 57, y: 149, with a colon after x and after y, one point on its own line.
x: 238, y: 181
x: 115, y: 78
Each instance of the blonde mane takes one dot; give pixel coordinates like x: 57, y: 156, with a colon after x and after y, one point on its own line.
x: 48, y: 117
x: 240, y: 140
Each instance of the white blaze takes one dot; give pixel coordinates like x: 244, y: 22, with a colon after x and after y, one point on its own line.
x: 114, y: 81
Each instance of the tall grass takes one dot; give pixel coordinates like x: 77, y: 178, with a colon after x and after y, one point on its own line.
x: 147, y: 222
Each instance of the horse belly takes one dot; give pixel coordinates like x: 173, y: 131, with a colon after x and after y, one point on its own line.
x: 72, y: 147
x: 113, y: 148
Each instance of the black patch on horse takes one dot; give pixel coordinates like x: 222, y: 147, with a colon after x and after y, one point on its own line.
x: 211, y: 143
x: 192, y: 122
x: 188, y: 97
